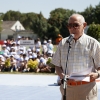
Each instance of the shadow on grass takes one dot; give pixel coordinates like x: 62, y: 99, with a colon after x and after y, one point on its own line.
x: 54, y: 84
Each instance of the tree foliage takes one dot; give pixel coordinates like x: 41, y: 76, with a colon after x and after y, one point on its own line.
x: 0, y: 25
x: 89, y: 15
x: 92, y: 14
x: 12, y: 16
x: 58, y: 22
x: 39, y: 25
x: 94, y: 31
x: 97, y: 13
x: 27, y: 20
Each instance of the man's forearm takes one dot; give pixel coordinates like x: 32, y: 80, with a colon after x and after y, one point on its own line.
x: 98, y: 71
x: 59, y: 72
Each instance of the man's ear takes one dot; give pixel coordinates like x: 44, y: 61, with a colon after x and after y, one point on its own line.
x: 85, y: 24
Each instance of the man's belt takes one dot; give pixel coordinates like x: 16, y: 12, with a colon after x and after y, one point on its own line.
x: 78, y: 82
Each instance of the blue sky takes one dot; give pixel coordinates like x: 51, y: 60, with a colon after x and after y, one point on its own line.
x: 45, y: 6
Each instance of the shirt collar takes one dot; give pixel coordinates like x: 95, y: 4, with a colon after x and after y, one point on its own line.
x: 81, y: 39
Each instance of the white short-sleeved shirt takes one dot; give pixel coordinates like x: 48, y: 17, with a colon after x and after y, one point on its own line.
x: 84, y: 53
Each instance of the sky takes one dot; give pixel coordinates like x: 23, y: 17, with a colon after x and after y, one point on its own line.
x: 45, y: 6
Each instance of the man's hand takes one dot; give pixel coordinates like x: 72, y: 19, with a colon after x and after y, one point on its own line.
x: 93, y: 75
x: 62, y: 75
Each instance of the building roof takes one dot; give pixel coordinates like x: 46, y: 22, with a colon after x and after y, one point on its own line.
x: 7, y: 24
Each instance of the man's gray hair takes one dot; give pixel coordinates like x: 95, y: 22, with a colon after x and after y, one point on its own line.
x: 82, y: 19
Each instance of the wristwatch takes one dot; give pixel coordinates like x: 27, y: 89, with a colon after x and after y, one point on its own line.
x: 98, y: 74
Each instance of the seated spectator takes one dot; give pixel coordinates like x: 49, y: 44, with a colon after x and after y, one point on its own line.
x: 2, y: 62
x: 23, y: 63
x: 13, y: 63
x: 17, y: 62
x: 4, y: 49
x: 44, y: 47
x: 43, y: 67
x: 38, y: 44
x: 33, y: 63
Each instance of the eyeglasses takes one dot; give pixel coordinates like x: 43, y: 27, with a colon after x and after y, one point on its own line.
x: 73, y: 25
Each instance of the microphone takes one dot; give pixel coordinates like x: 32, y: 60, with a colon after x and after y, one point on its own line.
x: 71, y: 36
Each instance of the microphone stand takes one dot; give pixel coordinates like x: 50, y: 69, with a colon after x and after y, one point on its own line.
x: 66, y: 77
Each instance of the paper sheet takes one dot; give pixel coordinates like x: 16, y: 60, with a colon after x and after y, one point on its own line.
x: 87, y: 78
x: 81, y: 76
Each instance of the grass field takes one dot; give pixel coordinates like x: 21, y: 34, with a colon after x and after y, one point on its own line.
x: 28, y: 73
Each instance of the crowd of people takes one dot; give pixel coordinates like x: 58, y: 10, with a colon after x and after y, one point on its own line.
x: 14, y: 57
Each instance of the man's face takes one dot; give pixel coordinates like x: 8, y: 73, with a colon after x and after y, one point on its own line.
x: 75, y: 26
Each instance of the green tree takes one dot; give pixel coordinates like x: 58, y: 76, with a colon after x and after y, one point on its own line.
x: 94, y: 31
x: 89, y: 14
x: 39, y: 25
x: 1, y: 16
x: 27, y: 20
x: 11, y: 16
x: 0, y: 25
x: 97, y: 13
x: 23, y: 19
x: 58, y: 22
